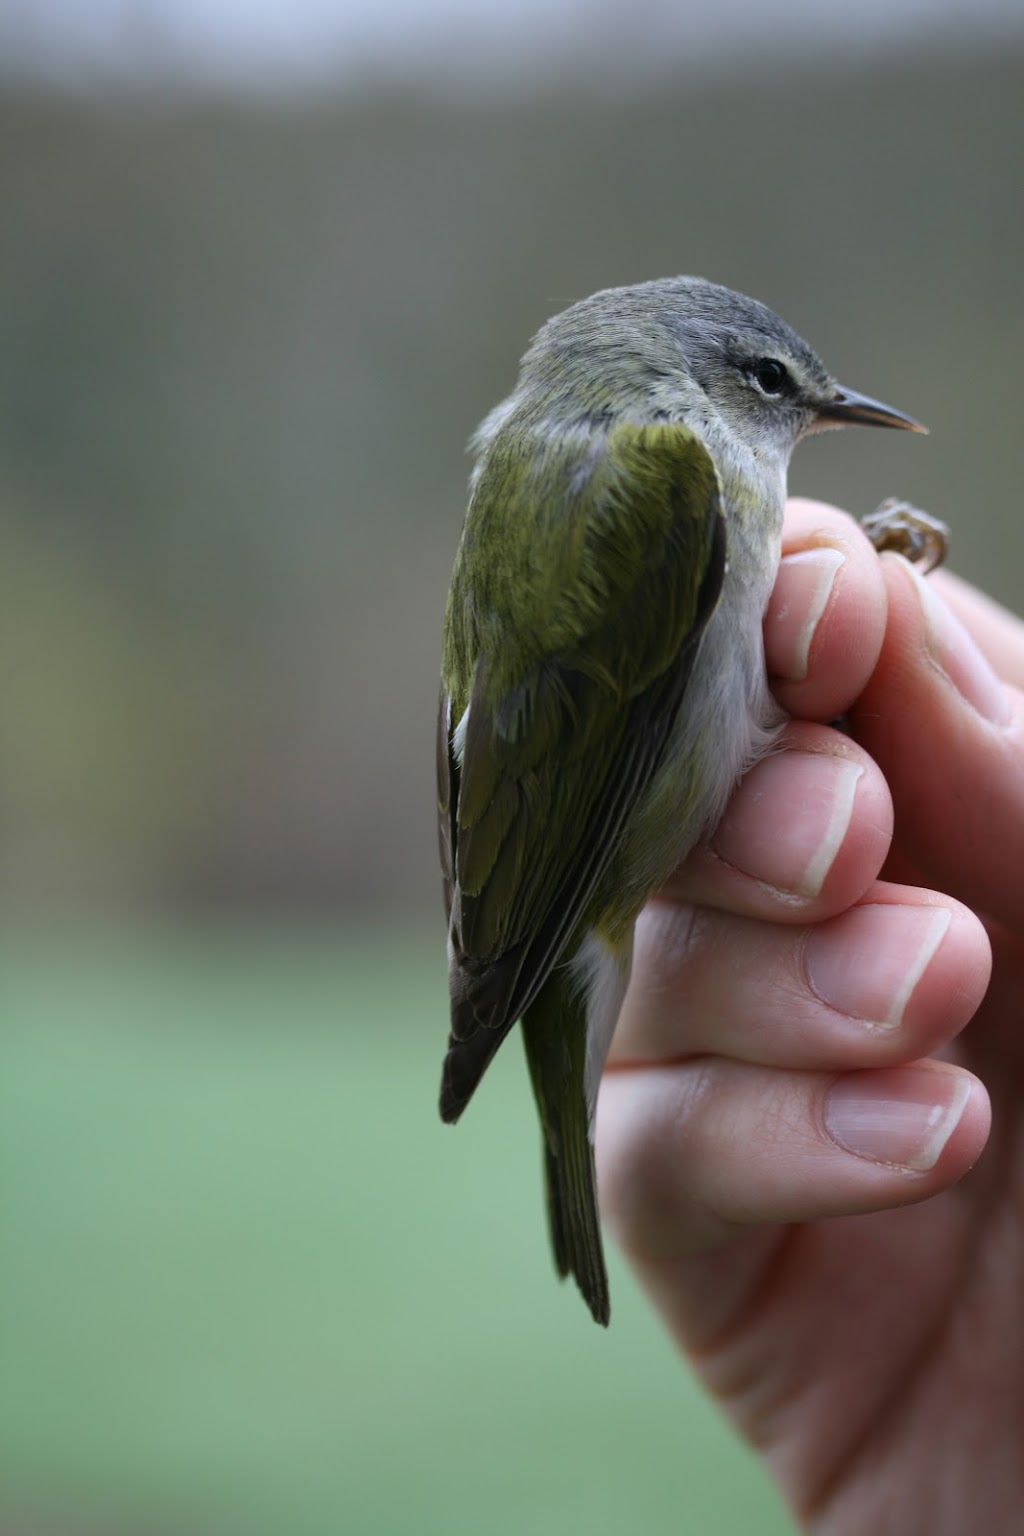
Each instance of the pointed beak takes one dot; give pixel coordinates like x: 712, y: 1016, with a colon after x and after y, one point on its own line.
x: 846, y: 406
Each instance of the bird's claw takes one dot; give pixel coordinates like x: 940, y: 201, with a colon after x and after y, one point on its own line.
x: 905, y: 529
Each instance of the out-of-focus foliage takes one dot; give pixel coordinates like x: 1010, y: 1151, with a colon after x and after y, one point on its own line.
x: 242, y: 348
x: 251, y: 1285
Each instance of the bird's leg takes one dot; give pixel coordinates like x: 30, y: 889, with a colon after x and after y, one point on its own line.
x: 899, y: 526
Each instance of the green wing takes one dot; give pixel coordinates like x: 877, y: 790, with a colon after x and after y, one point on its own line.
x: 582, y: 586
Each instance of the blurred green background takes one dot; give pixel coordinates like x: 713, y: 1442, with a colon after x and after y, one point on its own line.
x: 248, y: 1280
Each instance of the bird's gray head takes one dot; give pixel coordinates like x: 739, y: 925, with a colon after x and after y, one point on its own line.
x: 683, y: 348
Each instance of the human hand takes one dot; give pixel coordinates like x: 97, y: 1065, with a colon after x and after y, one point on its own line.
x: 793, y: 1050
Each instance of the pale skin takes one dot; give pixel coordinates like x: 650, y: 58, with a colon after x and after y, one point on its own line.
x: 826, y: 1021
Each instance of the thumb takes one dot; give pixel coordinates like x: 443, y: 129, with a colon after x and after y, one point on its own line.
x: 949, y: 737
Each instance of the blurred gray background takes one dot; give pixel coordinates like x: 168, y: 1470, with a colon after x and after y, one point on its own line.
x: 262, y: 269
x: 244, y: 337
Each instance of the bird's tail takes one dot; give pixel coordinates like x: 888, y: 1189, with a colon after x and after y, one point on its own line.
x: 554, y: 1030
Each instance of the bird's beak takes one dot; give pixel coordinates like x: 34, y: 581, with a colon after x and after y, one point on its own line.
x: 846, y: 406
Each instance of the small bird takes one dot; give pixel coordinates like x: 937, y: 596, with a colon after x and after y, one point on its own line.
x: 603, y: 679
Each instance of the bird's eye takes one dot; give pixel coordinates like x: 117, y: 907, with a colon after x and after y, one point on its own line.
x: 770, y: 376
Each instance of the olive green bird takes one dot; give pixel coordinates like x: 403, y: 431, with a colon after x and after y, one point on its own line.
x: 603, y: 678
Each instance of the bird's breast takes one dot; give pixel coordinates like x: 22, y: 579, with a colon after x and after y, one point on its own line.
x: 726, y: 721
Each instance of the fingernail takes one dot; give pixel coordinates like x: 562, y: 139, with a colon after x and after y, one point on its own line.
x: 793, y: 855
x: 903, y: 1116
x: 802, y: 590
x: 867, y: 962
x: 957, y: 656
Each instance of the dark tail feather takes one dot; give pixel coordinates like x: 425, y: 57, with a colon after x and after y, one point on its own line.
x: 575, y: 1229
x: 554, y: 1029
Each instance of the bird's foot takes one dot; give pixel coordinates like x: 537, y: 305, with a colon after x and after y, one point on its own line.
x: 905, y: 529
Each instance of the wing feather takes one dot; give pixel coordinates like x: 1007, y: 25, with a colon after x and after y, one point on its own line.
x: 570, y: 710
